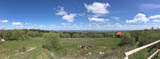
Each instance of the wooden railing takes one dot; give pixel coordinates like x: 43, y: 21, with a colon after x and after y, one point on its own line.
x: 141, y: 48
x: 153, y: 54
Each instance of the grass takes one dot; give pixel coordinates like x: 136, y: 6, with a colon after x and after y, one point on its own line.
x: 69, y: 49
x: 8, y: 49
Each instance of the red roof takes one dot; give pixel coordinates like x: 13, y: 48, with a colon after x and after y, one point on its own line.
x: 119, y: 33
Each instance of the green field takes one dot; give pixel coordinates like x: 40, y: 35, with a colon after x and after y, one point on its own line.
x: 10, y: 49
x: 31, y: 44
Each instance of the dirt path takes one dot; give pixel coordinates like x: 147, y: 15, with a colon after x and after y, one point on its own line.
x: 30, y: 49
x: 51, y: 54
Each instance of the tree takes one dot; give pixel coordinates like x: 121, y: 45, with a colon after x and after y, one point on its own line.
x: 14, y: 35
x: 52, y: 41
x: 65, y: 35
x: 75, y: 35
x: 108, y: 34
x: 83, y: 35
x: 98, y: 35
x: 34, y: 34
x: 127, y: 39
x: 7, y: 35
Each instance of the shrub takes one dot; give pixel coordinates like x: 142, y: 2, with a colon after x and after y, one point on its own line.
x: 52, y: 41
x: 7, y: 35
x: 127, y: 39
x: 34, y: 34
x: 75, y: 35
x: 64, y: 35
x: 108, y: 34
x: 83, y: 35
x: 14, y: 35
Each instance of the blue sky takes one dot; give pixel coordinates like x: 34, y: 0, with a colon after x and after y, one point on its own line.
x: 79, y: 14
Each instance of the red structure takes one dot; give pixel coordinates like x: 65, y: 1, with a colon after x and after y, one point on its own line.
x: 119, y: 34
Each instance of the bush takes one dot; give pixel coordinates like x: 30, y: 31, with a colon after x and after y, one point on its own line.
x: 75, y: 35
x: 14, y: 35
x: 108, y: 34
x: 34, y: 34
x: 7, y: 35
x: 83, y: 35
x: 64, y: 35
x: 52, y: 41
x: 127, y: 39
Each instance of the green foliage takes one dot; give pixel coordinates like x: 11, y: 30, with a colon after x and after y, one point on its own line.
x: 7, y: 35
x: 127, y: 39
x: 140, y: 38
x: 108, y: 34
x: 52, y: 41
x: 34, y: 34
x: 95, y: 35
x: 14, y: 35
x: 75, y: 35
x: 83, y: 35
x: 86, y: 35
x: 65, y: 35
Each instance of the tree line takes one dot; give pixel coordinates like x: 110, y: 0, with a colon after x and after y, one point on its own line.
x: 26, y: 34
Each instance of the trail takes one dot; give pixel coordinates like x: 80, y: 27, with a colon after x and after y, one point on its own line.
x: 51, y: 54
x: 31, y: 49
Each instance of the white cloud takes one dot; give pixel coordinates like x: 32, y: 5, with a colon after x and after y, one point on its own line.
x: 139, y: 18
x: 149, y: 6
x: 98, y: 8
x: 65, y: 16
x: 3, y: 21
x: 42, y: 26
x: 69, y: 18
x: 61, y: 12
x: 81, y: 14
x: 53, y: 26
x: 116, y: 18
x: 117, y: 24
x: 154, y: 17
x: 97, y: 19
x: 156, y: 20
x: 63, y: 24
x: 17, y: 23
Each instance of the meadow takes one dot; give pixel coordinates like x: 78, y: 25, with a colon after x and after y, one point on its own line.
x: 10, y: 49
x: 36, y: 44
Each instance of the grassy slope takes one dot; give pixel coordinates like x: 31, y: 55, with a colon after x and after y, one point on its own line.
x: 9, y: 49
x: 70, y: 48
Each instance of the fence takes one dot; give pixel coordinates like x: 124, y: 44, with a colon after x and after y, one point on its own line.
x: 141, y: 48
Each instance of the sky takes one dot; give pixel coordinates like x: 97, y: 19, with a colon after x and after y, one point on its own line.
x: 80, y: 14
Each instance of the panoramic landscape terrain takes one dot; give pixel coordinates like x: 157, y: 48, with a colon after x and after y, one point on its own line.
x: 40, y: 44
x: 79, y: 29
